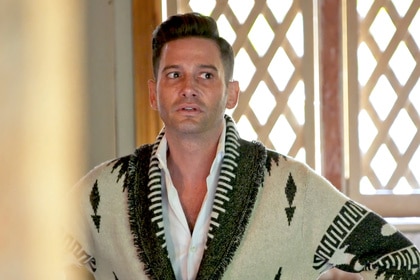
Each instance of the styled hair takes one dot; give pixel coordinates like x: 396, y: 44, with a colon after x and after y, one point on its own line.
x: 191, y: 25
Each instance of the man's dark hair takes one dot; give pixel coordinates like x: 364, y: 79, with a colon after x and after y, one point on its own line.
x: 191, y: 25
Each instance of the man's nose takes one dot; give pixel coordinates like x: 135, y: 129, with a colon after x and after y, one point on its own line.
x: 189, y: 87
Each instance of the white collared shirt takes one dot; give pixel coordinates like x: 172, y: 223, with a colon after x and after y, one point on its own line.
x: 186, y: 249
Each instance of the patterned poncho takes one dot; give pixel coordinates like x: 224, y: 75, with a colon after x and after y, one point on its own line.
x: 272, y: 218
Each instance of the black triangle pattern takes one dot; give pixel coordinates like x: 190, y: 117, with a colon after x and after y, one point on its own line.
x: 290, y: 191
x: 94, y: 201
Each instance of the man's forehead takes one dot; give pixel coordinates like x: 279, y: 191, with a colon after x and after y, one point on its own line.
x: 192, y: 48
x: 191, y: 42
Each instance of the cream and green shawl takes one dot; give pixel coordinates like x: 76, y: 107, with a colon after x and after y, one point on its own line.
x: 272, y: 218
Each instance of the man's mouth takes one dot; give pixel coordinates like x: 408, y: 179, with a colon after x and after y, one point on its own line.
x: 189, y: 109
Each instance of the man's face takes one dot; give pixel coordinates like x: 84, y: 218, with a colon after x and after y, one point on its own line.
x: 190, y: 92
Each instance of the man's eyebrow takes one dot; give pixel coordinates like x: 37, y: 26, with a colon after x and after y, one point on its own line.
x: 209, y: 66
x: 173, y: 66
x: 201, y: 66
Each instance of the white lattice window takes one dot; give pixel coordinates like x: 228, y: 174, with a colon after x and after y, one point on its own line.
x: 385, y: 114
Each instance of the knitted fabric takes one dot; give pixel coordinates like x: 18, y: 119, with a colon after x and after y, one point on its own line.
x: 272, y: 218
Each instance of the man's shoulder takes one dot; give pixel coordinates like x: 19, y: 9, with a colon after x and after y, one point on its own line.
x: 272, y: 159
x: 115, y: 169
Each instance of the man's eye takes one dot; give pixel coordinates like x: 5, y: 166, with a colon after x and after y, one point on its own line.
x: 206, y: 75
x: 173, y: 75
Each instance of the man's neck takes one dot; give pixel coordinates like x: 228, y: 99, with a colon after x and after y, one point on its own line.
x: 192, y: 154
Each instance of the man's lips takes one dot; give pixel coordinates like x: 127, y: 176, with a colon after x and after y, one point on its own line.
x: 189, y: 108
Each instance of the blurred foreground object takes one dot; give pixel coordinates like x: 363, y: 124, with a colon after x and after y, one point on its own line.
x: 41, y: 126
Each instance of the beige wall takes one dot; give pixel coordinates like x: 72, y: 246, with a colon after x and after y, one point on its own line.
x: 65, y: 105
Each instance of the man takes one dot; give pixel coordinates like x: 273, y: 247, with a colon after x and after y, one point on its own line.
x: 202, y: 203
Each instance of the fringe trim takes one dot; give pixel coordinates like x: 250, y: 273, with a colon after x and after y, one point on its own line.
x: 144, y: 231
x: 232, y: 221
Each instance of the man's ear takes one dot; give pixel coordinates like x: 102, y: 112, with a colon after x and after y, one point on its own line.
x: 233, y: 94
x: 152, y: 94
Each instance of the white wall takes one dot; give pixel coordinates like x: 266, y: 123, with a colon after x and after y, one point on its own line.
x: 110, y: 112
